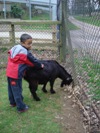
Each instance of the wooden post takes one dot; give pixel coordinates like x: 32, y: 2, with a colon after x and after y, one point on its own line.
x: 12, y: 34
x: 54, y: 36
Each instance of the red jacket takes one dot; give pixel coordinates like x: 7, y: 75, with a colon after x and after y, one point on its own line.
x: 18, y: 60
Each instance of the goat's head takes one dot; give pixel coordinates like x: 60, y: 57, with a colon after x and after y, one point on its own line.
x: 67, y: 81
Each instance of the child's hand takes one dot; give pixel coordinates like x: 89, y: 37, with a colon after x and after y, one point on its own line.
x: 42, y: 65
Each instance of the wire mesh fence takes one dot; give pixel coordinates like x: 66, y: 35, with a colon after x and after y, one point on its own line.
x: 44, y: 34
x: 83, y: 52
x: 86, y: 43
x: 81, y: 22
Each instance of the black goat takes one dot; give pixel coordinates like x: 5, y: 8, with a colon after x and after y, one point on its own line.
x: 52, y: 70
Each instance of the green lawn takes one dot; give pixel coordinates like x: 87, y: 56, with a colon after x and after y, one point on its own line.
x: 71, y: 26
x: 93, y: 75
x: 37, y: 27
x: 91, y: 20
x: 40, y: 118
x: 43, y: 16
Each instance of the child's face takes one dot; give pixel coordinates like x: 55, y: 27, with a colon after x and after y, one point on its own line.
x: 28, y: 44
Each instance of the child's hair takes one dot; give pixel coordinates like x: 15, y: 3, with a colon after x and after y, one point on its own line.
x: 24, y: 37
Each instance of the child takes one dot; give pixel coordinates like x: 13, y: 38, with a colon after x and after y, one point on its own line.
x: 19, y: 59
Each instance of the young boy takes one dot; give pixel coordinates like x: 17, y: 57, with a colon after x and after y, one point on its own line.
x: 19, y: 59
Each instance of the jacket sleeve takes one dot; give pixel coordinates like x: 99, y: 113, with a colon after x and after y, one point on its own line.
x: 35, y: 61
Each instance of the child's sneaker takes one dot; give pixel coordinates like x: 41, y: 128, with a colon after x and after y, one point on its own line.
x: 24, y: 110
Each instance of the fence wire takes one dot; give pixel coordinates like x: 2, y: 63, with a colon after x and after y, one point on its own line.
x: 44, y: 34
x: 82, y: 50
x: 83, y: 25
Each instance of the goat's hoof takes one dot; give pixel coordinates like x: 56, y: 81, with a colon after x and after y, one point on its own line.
x: 37, y: 99
x: 53, y: 92
x: 45, y: 91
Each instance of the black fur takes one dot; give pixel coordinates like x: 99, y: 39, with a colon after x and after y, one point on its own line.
x: 52, y: 70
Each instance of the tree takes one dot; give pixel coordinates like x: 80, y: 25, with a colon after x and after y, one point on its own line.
x: 17, y: 11
x: 79, y: 6
x: 83, y: 6
x: 96, y: 2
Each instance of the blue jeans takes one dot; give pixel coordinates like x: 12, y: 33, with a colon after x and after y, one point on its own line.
x: 15, y: 93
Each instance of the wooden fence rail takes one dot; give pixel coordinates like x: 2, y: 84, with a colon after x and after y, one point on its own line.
x: 11, y: 27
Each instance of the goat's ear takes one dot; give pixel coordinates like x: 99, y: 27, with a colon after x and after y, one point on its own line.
x: 68, y: 78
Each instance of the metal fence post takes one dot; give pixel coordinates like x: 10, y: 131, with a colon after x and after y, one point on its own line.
x: 63, y: 35
x: 70, y: 48
x: 67, y: 33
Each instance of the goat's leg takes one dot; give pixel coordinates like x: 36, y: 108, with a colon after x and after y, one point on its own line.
x: 51, y: 87
x: 44, y: 88
x: 33, y: 87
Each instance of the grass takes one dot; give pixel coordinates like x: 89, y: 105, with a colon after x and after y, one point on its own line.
x: 37, y: 27
x: 43, y: 16
x: 71, y: 26
x: 3, y: 49
x: 93, y: 75
x: 40, y: 118
x: 91, y: 20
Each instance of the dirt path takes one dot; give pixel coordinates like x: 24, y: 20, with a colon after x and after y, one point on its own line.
x: 72, y: 118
